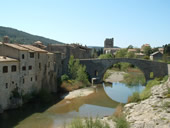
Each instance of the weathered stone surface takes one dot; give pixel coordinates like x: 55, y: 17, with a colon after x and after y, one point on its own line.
x: 152, y: 112
x: 97, y: 67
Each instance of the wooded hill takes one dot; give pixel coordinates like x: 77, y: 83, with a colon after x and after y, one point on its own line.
x: 17, y: 36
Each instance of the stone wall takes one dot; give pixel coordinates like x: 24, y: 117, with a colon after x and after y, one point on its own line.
x: 97, y: 67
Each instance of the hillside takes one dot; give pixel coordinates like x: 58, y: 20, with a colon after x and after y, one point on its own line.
x: 17, y: 36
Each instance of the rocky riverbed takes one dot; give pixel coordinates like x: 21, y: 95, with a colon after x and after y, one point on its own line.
x: 153, y: 112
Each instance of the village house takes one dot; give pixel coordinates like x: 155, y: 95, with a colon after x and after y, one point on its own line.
x: 35, y: 69
x: 156, y: 56
x: 9, y: 80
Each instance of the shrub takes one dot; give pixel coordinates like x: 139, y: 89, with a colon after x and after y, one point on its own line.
x: 146, y: 93
x: 118, y: 111
x: 82, y: 75
x: 134, y: 98
x: 64, y: 77
x: 15, y: 93
x: 146, y: 57
x: 88, y: 123
x: 106, y: 56
x: 121, y: 122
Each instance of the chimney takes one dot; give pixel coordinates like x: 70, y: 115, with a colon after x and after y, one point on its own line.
x: 5, y: 39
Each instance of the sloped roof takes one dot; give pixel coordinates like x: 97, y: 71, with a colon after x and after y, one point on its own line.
x: 7, y: 59
x: 156, y: 53
x: 16, y: 46
x: 33, y: 48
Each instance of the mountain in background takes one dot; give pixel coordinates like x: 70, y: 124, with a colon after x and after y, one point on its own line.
x: 16, y: 36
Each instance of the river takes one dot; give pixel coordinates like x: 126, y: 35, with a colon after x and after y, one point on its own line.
x: 98, y: 104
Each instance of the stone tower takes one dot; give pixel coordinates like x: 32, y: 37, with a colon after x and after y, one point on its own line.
x: 108, y: 43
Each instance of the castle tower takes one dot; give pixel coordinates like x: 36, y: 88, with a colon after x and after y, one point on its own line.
x: 108, y: 43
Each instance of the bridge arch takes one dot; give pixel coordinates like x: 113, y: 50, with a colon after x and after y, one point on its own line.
x: 101, y: 65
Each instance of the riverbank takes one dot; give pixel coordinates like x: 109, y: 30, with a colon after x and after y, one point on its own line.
x: 80, y: 93
x: 153, y: 112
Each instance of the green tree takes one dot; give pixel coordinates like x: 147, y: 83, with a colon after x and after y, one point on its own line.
x: 106, y: 56
x: 130, y: 47
x: 167, y: 49
x: 130, y: 55
x: 82, y: 75
x: 147, y: 50
x: 73, y: 67
x: 121, y: 53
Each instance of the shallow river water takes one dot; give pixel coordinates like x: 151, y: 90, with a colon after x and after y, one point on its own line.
x: 101, y: 103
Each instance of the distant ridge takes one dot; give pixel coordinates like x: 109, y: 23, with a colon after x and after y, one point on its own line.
x: 17, y: 36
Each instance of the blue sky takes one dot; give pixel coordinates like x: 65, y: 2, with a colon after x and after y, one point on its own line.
x: 89, y: 22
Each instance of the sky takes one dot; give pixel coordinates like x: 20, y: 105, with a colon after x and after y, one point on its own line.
x: 90, y: 22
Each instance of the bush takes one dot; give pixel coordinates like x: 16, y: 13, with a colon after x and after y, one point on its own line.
x: 146, y: 93
x: 121, y: 122
x: 118, y: 111
x: 88, y: 123
x: 106, y: 56
x: 64, y: 77
x: 15, y: 93
x: 134, y: 98
x: 146, y: 57
x: 82, y: 76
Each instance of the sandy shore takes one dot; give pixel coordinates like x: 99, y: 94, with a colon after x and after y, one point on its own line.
x: 115, y: 77
x: 80, y: 93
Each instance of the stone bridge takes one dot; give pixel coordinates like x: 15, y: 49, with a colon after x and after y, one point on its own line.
x: 97, y: 67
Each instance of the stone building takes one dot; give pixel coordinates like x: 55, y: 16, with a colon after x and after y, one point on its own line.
x: 108, y: 43
x: 9, y: 80
x: 35, y: 69
x: 109, y: 46
x: 78, y: 51
x: 156, y: 56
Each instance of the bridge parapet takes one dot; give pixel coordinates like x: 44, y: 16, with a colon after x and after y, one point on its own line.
x: 97, y: 67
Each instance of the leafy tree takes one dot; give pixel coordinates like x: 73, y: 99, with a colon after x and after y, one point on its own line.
x: 121, y: 53
x: 82, y: 75
x: 167, y: 49
x: 130, y: 55
x: 106, y: 56
x: 155, y: 49
x: 130, y: 47
x: 147, y: 50
x: 73, y: 67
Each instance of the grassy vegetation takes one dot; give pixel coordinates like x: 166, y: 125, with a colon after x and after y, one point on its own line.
x: 88, y: 123
x: 76, y: 78
x: 146, y: 93
x: 119, y: 118
x: 106, y: 75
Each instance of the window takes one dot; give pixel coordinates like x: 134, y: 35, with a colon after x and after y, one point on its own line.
x: 13, y: 68
x: 12, y: 82
x: 5, y: 69
x: 40, y: 66
x: 6, y: 85
x: 48, y: 64
x: 31, y: 55
x: 96, y: 73
x: 38, y: 55
x: 30, y: 67
x: 23, y: 56
x: 23, y: 81
x: 31, y: 78
x: 35, y: 78
x: 23, y: 68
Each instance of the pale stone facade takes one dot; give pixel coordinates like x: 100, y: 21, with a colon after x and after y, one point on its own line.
x: 36, y: 69
x: 9, y: 80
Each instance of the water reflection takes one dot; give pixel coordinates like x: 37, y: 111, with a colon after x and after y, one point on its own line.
x: 100, y: 103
